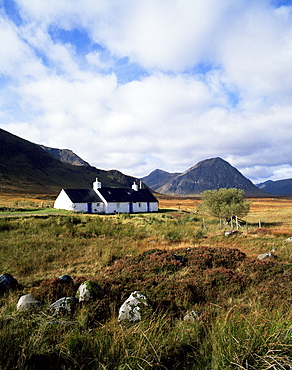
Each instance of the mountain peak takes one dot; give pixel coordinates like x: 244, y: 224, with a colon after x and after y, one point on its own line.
x: 213, y: 173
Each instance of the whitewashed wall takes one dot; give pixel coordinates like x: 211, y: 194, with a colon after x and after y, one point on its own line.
x: 63, y: 202
x: 125, y: 208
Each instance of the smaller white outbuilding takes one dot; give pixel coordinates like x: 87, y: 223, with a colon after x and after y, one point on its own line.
x: 107, y: 200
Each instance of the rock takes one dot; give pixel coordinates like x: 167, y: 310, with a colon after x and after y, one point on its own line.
x: 65, y: 305
x: 192, y: 316
x: 88, y: 290
x: 134, y: 307
x: 266, y: 255
x: 27, y: 302
x: 289, y: 240
x: 7, y: 282
x: 178, y: 258
x: 230, y: 232
x: 66, y: 279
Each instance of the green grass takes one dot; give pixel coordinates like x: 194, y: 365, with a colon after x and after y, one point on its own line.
x: 246, y: 319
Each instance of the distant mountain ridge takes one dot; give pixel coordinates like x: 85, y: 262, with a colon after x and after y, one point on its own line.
x: 27, y: 168
x: 279, y: 187
x: 158, y: 177
x: 214, y: 173
x: 65, y: 155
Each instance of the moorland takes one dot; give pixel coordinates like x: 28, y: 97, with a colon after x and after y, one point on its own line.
x: 244, y: 303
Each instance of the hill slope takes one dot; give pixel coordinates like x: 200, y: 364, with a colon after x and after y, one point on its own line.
x: 65, y: 155
x: 157, y: 178
x: 280, y: 187
x: 27, y: 168
x: 214, y: 173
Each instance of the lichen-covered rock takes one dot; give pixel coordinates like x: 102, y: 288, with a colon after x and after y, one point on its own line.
x: 88, y: 290
x: 7, y: 282
x: 134, y: 307
x: 27, y: 302
x: 65, y: 305
x: 66, y: 279
x: 192, y: 316
x: 266, y: 255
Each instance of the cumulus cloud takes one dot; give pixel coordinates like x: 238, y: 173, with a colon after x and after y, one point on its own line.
x: 152, y: 84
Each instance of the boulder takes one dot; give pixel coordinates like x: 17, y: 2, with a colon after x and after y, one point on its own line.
x: 192, y: 316
x: 266, y: 255
x: 7, y: 282
x: 230, y: 232
x: 289, y: 240
x: 88, y: 290
x: 27, y: 302
x: 65, y: 305
x: 134, y: 308
x: 66, y: 279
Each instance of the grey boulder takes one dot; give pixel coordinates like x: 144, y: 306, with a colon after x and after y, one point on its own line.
x: 64, y: 305
x: 7, y: 282
x: 27, y: 302
x: 134, y: 307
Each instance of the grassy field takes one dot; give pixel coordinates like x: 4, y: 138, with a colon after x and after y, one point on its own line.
x: 245, y: 304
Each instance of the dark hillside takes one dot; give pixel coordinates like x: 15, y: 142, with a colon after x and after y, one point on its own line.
x: 27, y: 168
x: 279, y: 187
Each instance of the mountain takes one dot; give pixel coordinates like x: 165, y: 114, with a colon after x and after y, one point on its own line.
x: 279, y: 187
x: 157, y: 178
x: 214, y: 173
x: 65, y: 155
x: 26, y: 168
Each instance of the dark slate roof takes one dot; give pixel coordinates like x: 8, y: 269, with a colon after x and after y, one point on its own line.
x: 82, y: 195
x: 127, y: 195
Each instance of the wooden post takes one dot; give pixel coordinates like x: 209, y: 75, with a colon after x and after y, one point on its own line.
x: 260, y: 224
x: 220, y: 224
x: 231, y: 223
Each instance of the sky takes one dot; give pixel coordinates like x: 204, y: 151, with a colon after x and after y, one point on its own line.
x: 136, y: 85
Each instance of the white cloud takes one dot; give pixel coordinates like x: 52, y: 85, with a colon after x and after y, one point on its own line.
x: 216, y: 82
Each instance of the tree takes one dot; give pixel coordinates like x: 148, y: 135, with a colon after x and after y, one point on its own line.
x: 225, y: 203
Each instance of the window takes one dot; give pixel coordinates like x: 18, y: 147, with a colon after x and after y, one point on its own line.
x: 139, y: 204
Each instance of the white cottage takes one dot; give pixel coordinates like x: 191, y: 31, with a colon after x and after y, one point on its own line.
x: 107, y: 200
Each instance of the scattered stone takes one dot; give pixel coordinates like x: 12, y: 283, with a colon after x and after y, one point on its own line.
x: 65, y: 305
x: 88, y: 290
x: 266, y: 255
x: 192, y: 316
x: 289, y: 240
x: 27, y: 302
x: 230, y: 232
x: 7, y: 282
x: 134, y: 308
x: 66, y: 279
x: 178, y: 258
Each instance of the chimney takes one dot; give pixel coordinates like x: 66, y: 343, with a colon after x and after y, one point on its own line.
x: 96, y: 185
x: 135, y: 186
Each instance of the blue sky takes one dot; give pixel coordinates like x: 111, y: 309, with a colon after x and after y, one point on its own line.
x: 139, y: 85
